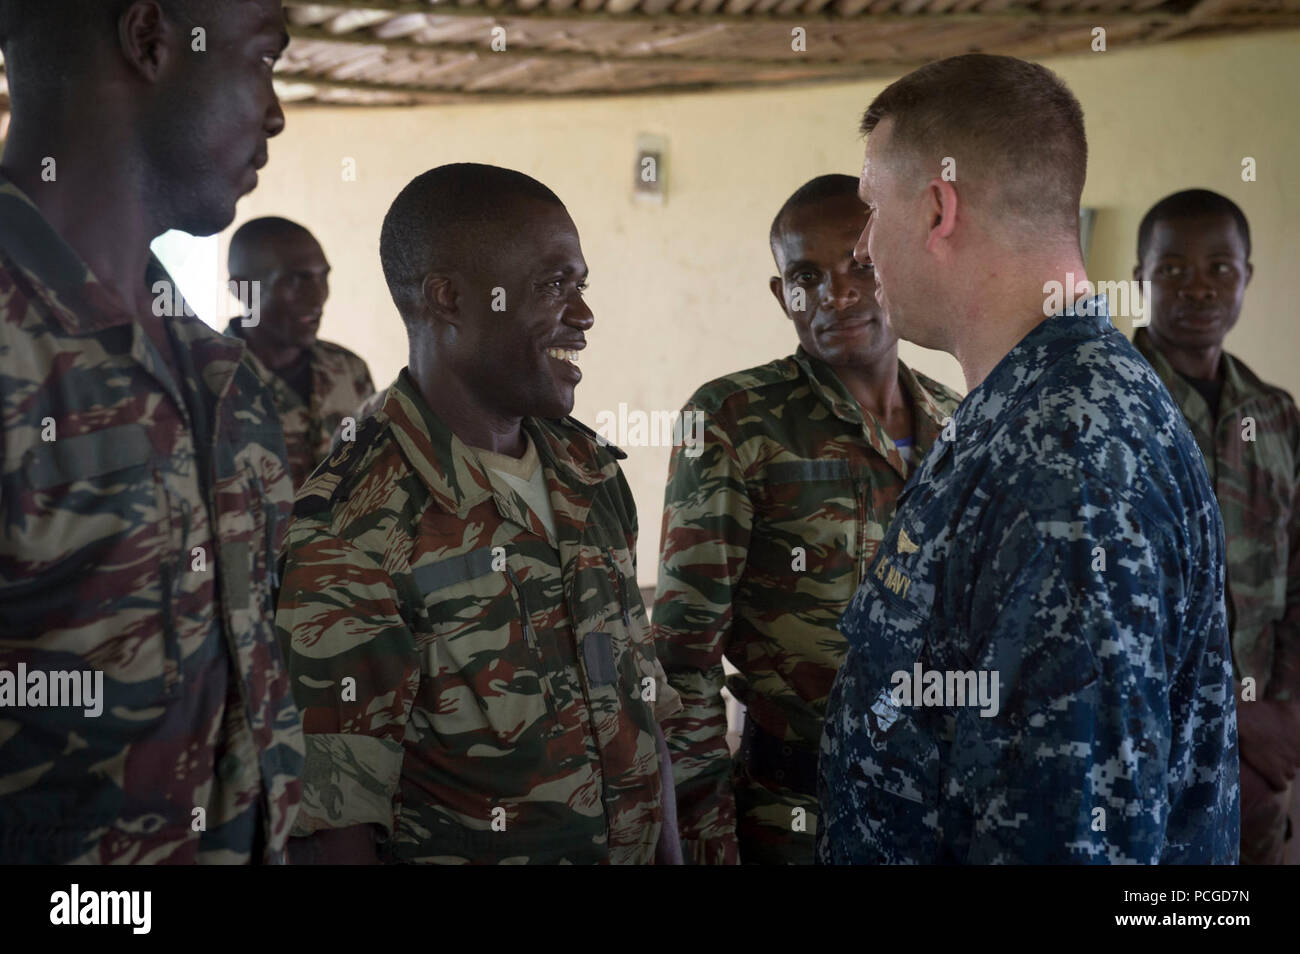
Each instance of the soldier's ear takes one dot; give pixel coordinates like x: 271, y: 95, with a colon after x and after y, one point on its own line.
x: 439, y: 297
x: 1250, y: 272
x: 145, y: 38
x: 778, y: 291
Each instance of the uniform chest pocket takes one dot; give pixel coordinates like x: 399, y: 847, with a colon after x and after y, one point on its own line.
x: 485, y: 664
x: 91, y: 556
x: 75, y: 499
x: 887, y: 745
x: 807, y: 504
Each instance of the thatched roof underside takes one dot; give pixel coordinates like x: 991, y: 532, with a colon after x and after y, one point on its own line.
x: 386, y: 52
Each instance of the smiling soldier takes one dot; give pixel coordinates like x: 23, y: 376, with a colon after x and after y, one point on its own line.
x: 315, y: 383
x: 768, y: 530
x: 476, y: 670
x: 1194, y: 248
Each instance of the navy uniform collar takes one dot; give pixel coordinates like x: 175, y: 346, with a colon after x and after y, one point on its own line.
x: 1017, y: 372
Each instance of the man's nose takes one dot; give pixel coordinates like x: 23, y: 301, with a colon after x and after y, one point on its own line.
x: 860, y: 253
x: 840, y: 292
x: 1199, y: 287
x: 273, y: 124
x: 578, y: 314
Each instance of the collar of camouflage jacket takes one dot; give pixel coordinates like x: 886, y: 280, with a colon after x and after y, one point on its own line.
x: 928, y: 418
x: 83, y: 305
x: 279, y: 387
x: 1239, y: 385
x: 455, y: 475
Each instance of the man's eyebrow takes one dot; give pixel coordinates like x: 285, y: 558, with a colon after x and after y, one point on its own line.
x: 799, y: 263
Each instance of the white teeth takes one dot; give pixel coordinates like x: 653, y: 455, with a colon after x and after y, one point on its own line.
x: 562, y: 355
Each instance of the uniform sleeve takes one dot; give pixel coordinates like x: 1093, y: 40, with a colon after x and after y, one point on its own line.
x: 1114, y: 741
x: 1285, y: 681
x: 707, y: 521
x: 355, y: 672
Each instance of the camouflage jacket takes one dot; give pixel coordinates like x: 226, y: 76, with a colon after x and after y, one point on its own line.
x: 1066, y: 543
x: 1252, y: 451
x: 340, y: 384
x: 478, y: 692
x: 108, y: 565
x: 766, y: 534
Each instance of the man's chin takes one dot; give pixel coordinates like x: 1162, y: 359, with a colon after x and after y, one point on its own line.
x: 205, y: 220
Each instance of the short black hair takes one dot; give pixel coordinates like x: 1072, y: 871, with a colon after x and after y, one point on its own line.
x: 44, y: 40
x: 249, y: 235
x: 834, y: 185
x: 443, y: 214
x: 1190, y: 204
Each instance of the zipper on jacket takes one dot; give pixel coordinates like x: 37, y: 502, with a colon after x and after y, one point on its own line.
x: 530, y: 637
x: 622, y: 587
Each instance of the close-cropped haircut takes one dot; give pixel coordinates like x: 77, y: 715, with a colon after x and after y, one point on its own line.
x: 1013, y: 128
x: 1191, y: 204
x: 442, y: 216
x: 831, y: 186
x: 46, y: 42
x: 247, y: 239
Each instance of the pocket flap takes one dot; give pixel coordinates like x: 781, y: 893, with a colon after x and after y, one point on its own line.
x: 69, y: 459
x: 457, y: 569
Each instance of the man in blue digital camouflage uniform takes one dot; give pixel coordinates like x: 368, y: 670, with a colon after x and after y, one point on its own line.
x: 1039, y: 668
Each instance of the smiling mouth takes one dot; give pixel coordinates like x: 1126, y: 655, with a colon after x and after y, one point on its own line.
x: 562, y: 354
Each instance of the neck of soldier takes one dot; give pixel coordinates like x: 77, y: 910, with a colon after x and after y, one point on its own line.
x: 276, y: 355
x: 1200, y: 364
x: 875, y: 386
x: 1004, y: 300
x: 85, y: 178
x: 454, y: 404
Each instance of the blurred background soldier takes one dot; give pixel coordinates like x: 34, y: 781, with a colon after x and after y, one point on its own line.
x: 476, y: 670
x: 144, y: 490
x: 1194, y: 248
x: 768, y: 528
x: 316, y: 384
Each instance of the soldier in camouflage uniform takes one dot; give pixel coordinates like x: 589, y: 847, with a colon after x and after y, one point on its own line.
x: 143, y: 492
x: 1039, y: 669
x: 768, y: 530
x: 316, y: 384
x: 1194, y: 248
x: 474, y: 663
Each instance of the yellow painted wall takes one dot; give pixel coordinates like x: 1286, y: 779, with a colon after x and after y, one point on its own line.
x: 680, y: 290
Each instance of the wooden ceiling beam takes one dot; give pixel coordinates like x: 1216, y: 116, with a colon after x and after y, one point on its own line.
x: 796, y: 61
x: 1215, y: 15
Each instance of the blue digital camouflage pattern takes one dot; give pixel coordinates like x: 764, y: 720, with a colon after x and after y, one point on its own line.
x: 1062, y: 534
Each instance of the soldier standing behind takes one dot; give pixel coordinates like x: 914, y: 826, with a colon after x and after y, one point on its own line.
x: 476, y: 671
x: 1194, y: 248
x: 768, y: 528
x: 1039, y: 669
x: 143, y: 493
x: 316, y: 384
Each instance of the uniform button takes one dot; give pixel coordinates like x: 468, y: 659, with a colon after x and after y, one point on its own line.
x: 229, y: 766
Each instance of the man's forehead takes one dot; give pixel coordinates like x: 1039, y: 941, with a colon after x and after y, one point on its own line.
x: 1200, y: 233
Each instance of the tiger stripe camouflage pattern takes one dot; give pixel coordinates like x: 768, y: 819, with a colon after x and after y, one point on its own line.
x: 481, y: 693
x: 766, y: 535
x: 141, y: 519
x: 1252, y: 452
x: 340, y: 384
